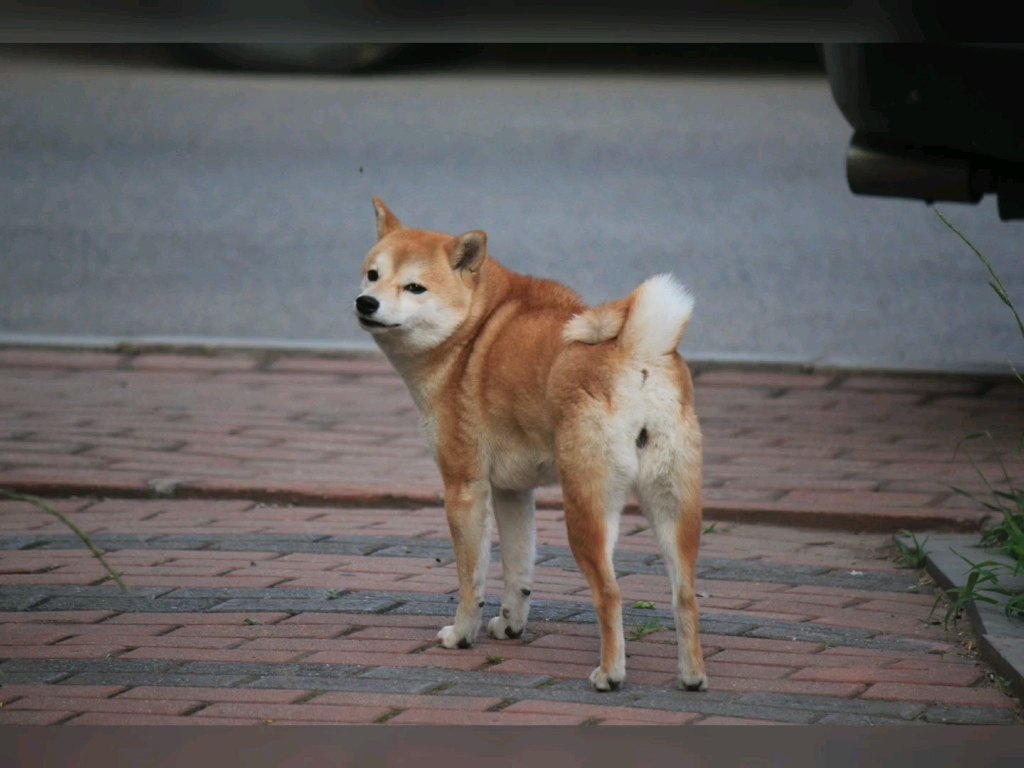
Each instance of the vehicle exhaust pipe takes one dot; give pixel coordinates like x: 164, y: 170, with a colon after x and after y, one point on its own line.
x: 880, y: 170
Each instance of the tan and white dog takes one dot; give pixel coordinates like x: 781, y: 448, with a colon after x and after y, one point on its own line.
x: 521, y: 385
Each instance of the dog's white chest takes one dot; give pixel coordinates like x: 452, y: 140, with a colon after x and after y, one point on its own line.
x: 428, y: 425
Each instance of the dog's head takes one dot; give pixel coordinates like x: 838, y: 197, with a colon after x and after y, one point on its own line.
x: 417, y: 285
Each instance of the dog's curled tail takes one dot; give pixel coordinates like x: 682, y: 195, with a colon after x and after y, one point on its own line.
x: 650, y: 322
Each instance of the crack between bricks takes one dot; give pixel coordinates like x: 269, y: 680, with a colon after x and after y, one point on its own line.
x: 389, y: 716
x: 349, y: 631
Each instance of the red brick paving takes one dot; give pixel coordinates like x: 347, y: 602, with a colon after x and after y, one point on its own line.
x: 808, y: 449
x: 938, y: 694
x: 862, y: 452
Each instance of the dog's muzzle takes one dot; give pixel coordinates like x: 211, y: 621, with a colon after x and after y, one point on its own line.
x: 367, y: 305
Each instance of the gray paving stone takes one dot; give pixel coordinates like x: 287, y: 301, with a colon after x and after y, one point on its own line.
x: 99, y: 666
x: 61, y: 590
x: 426, y: 608
x: 745, y: 570
x: 264, y: 542
x: 124, y: 605
x: 485, y: 691
x: 672, y: 698
x: 193, y: 593
x: 564, y: 561
x: 812, y: 633
x: 268, y: 670
x: 845, y: 718
x: 352, y: 684
x: 897, y: 643
x: 893, y: 709
x: 8, y: 543
x: 25, y: 602
x: 633, y: 617
x: 439, y: 675
x: 30, y: 678
x: 107, y: 542
x: 351, y: 603
x: 445, y: 605
x: 442, y: 550
x: 556, y: 610
x: 624, y: 697
x: 705, y: 704
x: 363, y: 545
x: 366, y: 603
x: 582, y: 692
x: 171, y: 679
x: 902, y: 581
x: 724, y: 625
x: 971, y: 716
x: 194, y: 541
x: 546, y: 551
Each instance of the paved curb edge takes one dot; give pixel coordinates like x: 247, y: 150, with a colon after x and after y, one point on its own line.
x: 213, y: 345
x: 1000, y: 639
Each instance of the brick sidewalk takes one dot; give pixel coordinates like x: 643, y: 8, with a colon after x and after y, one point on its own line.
x: 245, y: 611
x: 856, y: 452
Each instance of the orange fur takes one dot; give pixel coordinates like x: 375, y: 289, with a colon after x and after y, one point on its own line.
x: 524, y: 378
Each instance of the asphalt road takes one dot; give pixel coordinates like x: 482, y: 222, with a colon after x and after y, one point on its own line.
x: 140, y: 198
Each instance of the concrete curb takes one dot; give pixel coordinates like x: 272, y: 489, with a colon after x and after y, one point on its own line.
x: 212, y: 345
x: 1000, y: 638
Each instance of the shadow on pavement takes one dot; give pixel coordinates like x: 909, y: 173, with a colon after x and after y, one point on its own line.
x: 534, y: 58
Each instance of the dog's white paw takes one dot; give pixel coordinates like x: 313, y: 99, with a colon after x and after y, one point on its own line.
x: 500, y: 629
x: 606, y: 681
x: 693, y: 682
x: 450, y: 638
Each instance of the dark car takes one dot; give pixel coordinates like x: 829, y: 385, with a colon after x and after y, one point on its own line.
x: 933, y: 122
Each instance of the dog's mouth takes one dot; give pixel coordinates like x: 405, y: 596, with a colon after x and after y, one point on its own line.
x: 367, y: 323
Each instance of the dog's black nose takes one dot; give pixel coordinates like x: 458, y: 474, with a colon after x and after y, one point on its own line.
x: 367, y: 305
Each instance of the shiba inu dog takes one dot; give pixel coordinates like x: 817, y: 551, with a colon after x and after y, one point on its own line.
x: 520, y: 385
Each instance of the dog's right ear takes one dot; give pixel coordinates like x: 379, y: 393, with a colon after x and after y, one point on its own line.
x: 387, y: 222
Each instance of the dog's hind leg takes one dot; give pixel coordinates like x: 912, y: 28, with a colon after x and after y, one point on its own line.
x: 468, y: 508
x: 592, y: 536
x: 514, y: 512
x: 594, y: 498
x: 669, y: 492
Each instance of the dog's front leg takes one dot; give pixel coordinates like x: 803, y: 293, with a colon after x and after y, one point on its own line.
x: 514, y: 511
x: 468, y: 507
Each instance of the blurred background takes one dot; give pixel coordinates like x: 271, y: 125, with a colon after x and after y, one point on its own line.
x: 224, y: 192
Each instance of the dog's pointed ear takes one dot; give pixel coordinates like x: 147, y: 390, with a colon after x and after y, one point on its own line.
x: 387, y: 222
x: 467, y: 251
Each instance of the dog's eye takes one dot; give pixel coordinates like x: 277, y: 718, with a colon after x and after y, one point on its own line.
x: 415, y: 288
x: 372, y: 275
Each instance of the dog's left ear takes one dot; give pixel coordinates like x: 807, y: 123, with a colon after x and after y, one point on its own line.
x: 467, y: 251
x: 386, y: 221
